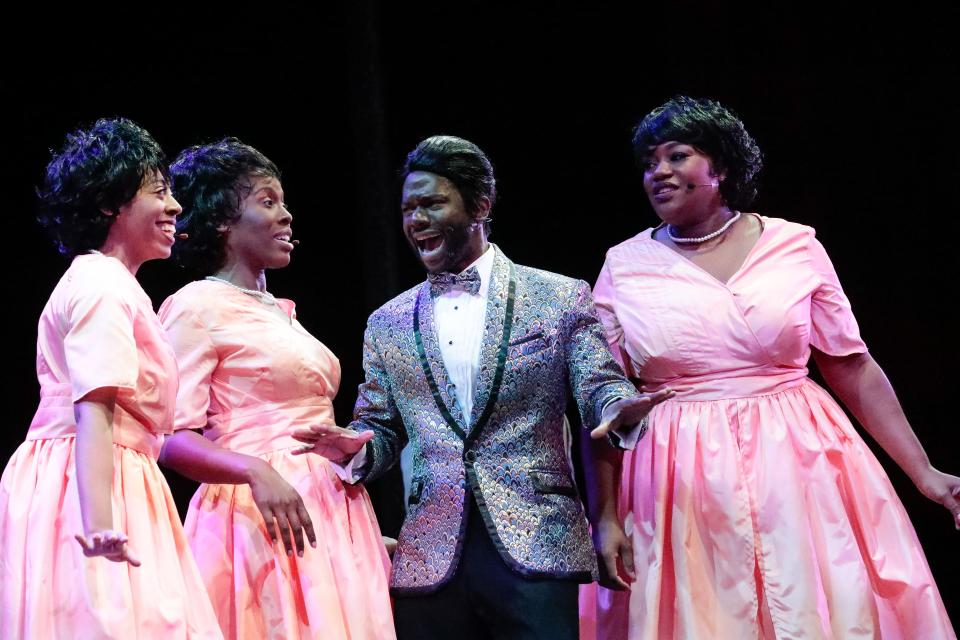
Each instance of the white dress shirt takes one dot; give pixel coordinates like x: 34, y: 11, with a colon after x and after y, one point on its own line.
x: 458, y: 317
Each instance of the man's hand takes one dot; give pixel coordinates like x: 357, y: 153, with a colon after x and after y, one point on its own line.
x: 614, y: 552
x: 628, y: 412
x: 330, y: 441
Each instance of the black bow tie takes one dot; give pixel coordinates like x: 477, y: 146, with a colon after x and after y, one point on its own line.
x: 441, y: 283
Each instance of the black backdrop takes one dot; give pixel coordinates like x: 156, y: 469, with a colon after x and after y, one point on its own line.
x: 853, y: 108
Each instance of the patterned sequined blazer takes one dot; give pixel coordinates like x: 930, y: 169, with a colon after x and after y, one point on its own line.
x: 542, y: 341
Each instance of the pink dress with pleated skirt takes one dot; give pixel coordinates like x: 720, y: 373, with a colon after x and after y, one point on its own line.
x: 98, y: 330
x: 250, y: 376
x: 754, y: 507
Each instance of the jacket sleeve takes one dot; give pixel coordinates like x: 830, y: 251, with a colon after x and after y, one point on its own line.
x: 376, y: 411
x: 595, y: 377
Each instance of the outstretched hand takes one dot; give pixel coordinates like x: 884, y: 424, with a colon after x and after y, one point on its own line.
x: 109, y: 544
x: 628, y: 412
x: 330, y: 441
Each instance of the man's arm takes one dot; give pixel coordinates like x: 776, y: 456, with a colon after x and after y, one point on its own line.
x: 609, y: 403
x: 376, y: 410
x: 362, y: 458
x: 596, y: 380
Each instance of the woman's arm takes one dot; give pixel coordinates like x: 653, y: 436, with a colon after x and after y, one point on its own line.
x: 192, y: 455
x: 94, y: 467
x: 863, y: 387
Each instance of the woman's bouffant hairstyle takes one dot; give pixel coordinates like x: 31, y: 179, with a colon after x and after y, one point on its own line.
x: 210, y: 181
x: 99, y: 170
x: 459, y: 161
x: 714, y: 130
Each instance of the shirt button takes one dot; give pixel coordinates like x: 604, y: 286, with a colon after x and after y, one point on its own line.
x: 451, y: 342
x: 455, y: 308
x: 470, y: 455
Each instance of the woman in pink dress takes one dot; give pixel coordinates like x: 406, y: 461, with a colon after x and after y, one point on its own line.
x: 87, y: 472
x: 251, y: 375
x: 752, y: 508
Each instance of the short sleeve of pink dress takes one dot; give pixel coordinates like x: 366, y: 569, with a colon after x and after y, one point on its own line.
x: 251, y: 375
x: 98, y: 330
x: 834, y: 329
x: 99, y: 347
x: 754, y: 507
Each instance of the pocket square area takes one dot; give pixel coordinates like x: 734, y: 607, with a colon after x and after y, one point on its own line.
x: 549, y: 481
x: 536, y: 335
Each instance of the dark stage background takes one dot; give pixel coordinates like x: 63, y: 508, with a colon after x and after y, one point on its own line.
x: 853, y: 109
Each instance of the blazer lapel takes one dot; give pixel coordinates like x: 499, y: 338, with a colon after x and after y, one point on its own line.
x: 432, y: 361
x: 494, y: 341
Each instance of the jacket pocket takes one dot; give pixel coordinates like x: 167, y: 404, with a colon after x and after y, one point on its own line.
x: 548, y: 481
x: 527, y: 338
x: 527, y: 345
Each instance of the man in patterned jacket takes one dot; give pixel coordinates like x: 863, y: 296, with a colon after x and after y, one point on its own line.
x: 473, y: 369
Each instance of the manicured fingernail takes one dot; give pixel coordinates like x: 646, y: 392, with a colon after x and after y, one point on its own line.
x: 300, y: 553
x: 314, y: 544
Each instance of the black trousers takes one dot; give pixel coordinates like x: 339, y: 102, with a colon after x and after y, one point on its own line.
x: 486, y: 600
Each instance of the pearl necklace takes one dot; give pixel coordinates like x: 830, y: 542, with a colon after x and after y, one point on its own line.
x: 263, y: 296
x: 709, y: 236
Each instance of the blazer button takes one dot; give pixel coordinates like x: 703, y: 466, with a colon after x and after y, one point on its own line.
x: 470, y: 455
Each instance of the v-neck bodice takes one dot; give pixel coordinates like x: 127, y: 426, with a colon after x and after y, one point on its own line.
x: 244, y: 365
x: 743, y: 264
x: 755, y: 463
x: 675, y: 322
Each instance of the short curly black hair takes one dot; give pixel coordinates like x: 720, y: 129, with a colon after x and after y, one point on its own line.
x: 714, y: 130
x: 461, y: 162
x: 210, y: 182
x: 99, y: 170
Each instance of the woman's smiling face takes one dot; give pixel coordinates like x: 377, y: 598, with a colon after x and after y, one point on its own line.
x: 144, y: 226
x: 680, y: 182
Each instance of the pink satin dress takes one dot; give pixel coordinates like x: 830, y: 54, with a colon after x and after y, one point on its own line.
x: 250, y: 376
x: 754, y: 507
x: 98, y: 330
